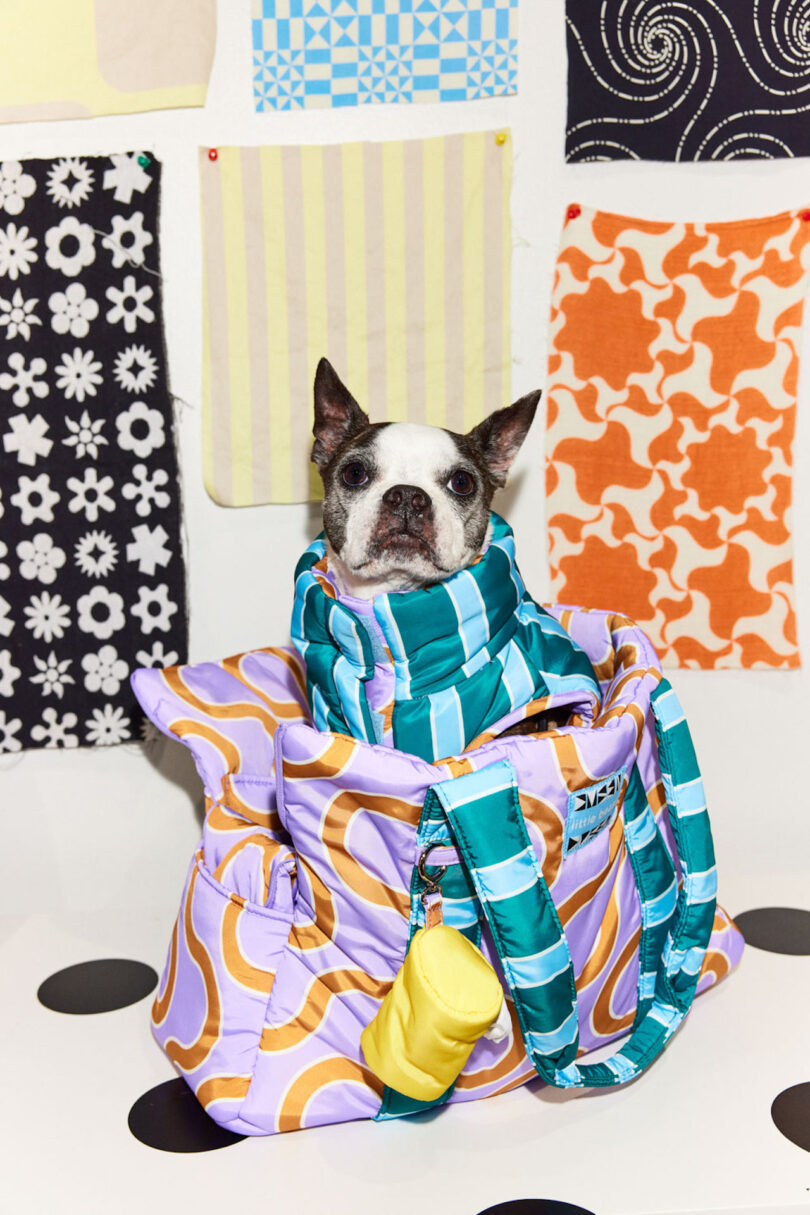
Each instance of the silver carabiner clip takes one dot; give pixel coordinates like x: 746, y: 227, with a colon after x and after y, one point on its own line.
x: 432, y: 883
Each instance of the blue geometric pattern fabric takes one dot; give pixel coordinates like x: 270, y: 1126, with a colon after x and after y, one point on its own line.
x: 321, y: 53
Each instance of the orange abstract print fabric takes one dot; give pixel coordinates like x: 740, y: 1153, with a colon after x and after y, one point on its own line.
x: 671, y: 412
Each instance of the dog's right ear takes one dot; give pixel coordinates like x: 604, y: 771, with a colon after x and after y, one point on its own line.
x: 337, y: 414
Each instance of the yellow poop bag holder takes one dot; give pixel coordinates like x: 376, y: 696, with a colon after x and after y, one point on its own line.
x: 443, y: 999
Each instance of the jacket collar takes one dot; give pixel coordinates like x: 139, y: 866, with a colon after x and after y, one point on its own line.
x: 464, y: 651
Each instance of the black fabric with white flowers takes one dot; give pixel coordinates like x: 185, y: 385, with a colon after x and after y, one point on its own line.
x: 92, y: 582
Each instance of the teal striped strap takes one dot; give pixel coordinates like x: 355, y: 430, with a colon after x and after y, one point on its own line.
x: 666, y: 994
x: 483, y: 811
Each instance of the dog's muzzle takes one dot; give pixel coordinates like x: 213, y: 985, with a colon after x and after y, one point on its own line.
x: 406, y: 518
x: 408, y: 501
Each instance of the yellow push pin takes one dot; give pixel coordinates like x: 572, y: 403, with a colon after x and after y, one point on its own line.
x: 501, y: 138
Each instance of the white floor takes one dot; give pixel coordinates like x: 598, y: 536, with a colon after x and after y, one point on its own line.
x: 97, y: 845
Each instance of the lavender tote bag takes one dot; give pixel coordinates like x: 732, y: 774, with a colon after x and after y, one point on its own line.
x: 299, y: 903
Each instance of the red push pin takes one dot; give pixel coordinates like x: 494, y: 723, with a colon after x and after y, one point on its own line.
x: 805, y: 215
x: 213, y: 154
x: 574, y: 211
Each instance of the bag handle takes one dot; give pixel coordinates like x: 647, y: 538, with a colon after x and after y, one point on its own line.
x: 483, y: 811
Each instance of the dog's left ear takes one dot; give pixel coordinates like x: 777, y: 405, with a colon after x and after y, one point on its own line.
x: 337, y: 414
x: 500, y: 436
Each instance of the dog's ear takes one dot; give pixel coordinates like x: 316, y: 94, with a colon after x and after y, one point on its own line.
x: 337, y: 414
x: 499, y: 436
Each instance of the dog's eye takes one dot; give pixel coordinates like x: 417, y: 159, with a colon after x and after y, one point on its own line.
x: 461, y: 483
x: 355, y: 473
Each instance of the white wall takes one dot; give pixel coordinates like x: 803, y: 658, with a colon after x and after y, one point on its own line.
x: 750, y: 727
x: 97, y: 843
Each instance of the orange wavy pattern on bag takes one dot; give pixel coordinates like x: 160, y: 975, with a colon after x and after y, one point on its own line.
x: 670, y: 420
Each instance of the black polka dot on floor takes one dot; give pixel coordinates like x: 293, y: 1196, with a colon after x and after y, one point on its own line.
x: 535, y: 1206
x: 97, y: 987
x: 777, y: 929
x: 791, y: 1114
x: 171, y: 1119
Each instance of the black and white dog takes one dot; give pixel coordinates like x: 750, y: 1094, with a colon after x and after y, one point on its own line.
x: 406, y: 505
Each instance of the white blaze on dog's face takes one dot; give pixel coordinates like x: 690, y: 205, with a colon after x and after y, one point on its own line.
x: 406, y: 505
x: 398, y: 523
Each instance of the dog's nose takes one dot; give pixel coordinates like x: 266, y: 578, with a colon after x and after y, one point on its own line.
x: 408, y: 498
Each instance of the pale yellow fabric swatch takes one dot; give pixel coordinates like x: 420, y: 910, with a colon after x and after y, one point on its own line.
x: 80, y: 58
x: 392, y: 259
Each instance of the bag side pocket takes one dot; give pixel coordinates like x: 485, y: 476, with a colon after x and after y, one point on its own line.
x: 225, y: 950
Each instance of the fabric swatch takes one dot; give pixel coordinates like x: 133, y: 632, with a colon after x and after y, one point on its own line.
x: 92, y: 582
x: 692, y: 80
x: 309, y: 53
x: 392, y: 259
x: 88, y: 57
x: 671, y: 414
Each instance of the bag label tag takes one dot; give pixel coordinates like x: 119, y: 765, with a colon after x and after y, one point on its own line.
x: 591, y: 809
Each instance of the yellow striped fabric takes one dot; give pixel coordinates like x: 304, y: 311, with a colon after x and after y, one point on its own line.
x: 392, y: 259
